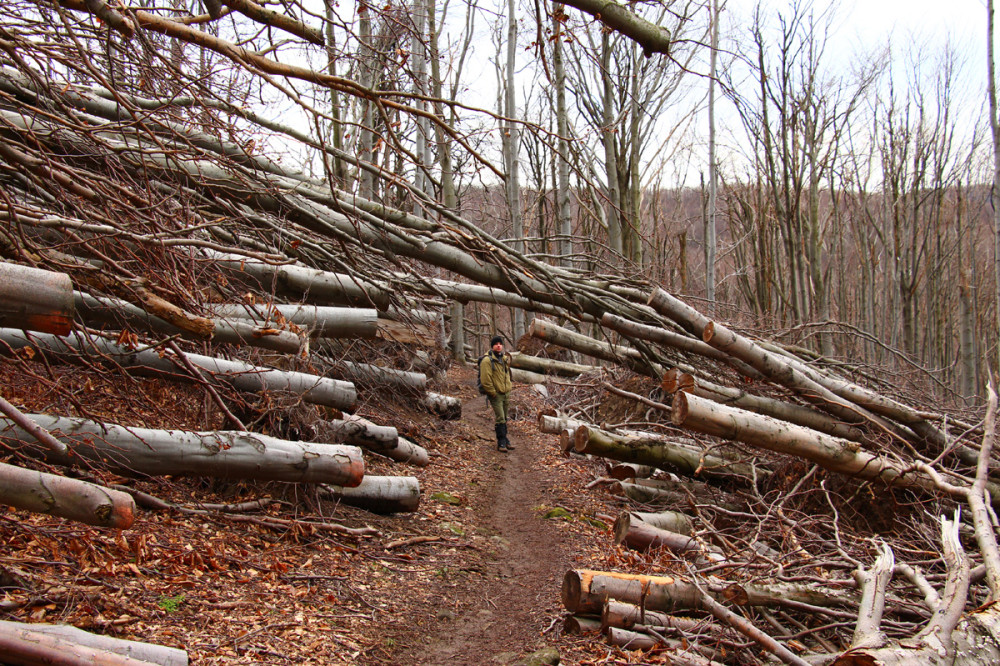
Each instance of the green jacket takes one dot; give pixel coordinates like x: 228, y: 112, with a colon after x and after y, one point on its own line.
x: 494, y: 373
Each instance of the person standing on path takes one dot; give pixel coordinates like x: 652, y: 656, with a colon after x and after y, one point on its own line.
x: 494, y: 375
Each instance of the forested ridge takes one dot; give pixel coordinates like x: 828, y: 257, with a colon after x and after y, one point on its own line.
x: 248, y: 251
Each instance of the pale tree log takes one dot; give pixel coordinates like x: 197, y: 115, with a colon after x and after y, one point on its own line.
x: 549, y: 366
x: 519, y: 376
x: 35, y: 299
x: 457, y: 337
x: 373, y: 376
x: 680, y: 651
x: 320, y: 321
x: 775, y: 369
x: 586, y: 590
x: 638, y: 535
x: 661, y: 454
x: 625, y: 471
x: 29, y: 426
x: 575, y: 625
x: 409, y: 452
x: 381, y: 494
x: 113, y: 311
x: 241, y: 376
x: 626, y: 616
x: 553, y: 424
x: 674, y: 381
x: 678, y: 495
x: 668, y: 520
x: 68, y: 638
x: 563, y: 337
x: 23, y: 646
x: 831, y: 453
x: 677, y: 341
x: 351, y: 429
x: 71, y: 499
x: 445, y: 406
x: 223, y: 454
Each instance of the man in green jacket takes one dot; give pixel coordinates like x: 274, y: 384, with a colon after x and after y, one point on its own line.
x: 494, y: 375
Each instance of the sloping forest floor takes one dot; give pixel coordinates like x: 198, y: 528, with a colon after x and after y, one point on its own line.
x: 472, y: 577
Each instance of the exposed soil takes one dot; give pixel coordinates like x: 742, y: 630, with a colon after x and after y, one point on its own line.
x: 472, y: 577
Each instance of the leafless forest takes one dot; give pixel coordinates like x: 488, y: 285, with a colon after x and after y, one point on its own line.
x: 298, y: 208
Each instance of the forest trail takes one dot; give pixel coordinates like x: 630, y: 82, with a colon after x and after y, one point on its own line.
x: 504, y: 601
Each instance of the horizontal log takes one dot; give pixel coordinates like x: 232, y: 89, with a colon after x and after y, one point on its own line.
x: 623, y: 471
x: 223, y: 454
x: 319, y: 321
x: 381, y: 494
x: 35, y: 299
x: 638, y: 535
x: 71, y: 499
x: 675, y: 381
x: 444, y: 406
x: 374, y: 377
x: 661, y: 454
x: 575, y: 625
x: 408, y: 452
x: 586, y: 590
x: 553, y: 424
x: 358, y: 431
x: 99, y: 311
x: 549, y: 366
x: 668, y: 520
x: 626, y: 616
x: 69, y: 638
x: 241, y: 376
x: 519, y: 376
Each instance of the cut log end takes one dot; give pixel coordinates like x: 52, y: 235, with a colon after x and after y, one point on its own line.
x: 708, y: 332
x: 580, y: 438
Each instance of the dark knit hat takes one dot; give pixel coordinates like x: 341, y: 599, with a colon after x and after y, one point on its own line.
x: 495, y: 339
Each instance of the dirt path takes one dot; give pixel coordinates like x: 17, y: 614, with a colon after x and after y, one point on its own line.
x: 495, y: 606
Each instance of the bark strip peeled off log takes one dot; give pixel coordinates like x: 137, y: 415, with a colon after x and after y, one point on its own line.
x: 320, y: 321
x: 585, y: 591
x: 35, y: 299
x: 223, y: 454
x: 68, y: 638
x: 241, y: 376
x: 659, y: 454
x: 549, y: 366
x: 381, y: 494
x: 445, y: 406
x: 837, y: 455
x: 674, y: 381
x: 675, y: 340
x: 563, y: 337
x: 115, y: 312
x: 71, y: 499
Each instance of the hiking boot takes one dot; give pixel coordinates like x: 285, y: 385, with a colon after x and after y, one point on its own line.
x: 506, y: 442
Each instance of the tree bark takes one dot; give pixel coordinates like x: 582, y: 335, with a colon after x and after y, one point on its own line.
x: 35, y: 299
x: 639, y: 535
x: 381, y: 494
x: 69, y: 638
x: 224, y: 454
x: 563, y: 337
x: 549, y: 366
x: 72, y: 499
x: 320, y: 321
x: 115, y: 312
x: 241, y: 376
x: 445, y: 406
x: 660, y: 454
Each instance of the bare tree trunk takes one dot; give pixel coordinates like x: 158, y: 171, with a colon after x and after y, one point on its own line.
x: 68, y: 639
x: 67, y: 498
x: 381, y: 494
x: 35, y: 299
x: 224, y: 454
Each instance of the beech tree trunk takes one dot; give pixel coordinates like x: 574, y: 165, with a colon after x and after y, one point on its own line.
x: 381, y: 494
x: 445, y: 406
x: 320, y: 321
x: 115, y: 312
x: 242, y: 376
x: 35, y: 299
x: 69, y: 639
x: 836, y: 455
x: 72, y: 499
x: 225, y: 454
x: 548, y: 366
